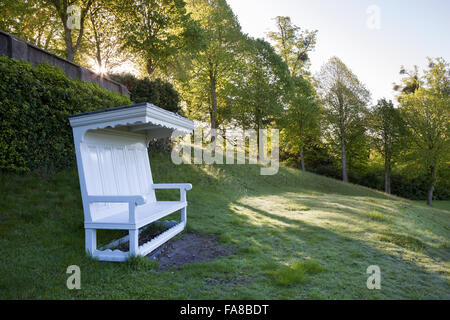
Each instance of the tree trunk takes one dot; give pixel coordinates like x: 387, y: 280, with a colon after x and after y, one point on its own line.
x: 302, y: 157
x: 261, y: 154
x: 150, y: 68
x: 70, y: 55
x: 344, y: 161
x: 431, y: 186
x: 213, y: 113
x: 61, y: 7
x: 97, y: 43
x: 302, y: 153
x: 70, y: 52
x: 49, y: 37
x: 387, y: 175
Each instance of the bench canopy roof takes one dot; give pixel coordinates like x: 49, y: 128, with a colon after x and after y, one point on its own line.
x: 143, y: 118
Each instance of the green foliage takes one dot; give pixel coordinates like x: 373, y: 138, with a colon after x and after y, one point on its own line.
x: 414, y: 184
x: 161, y: 94
x: 102, y: 43
x: 35, y: 103
x: 156, y: 31
x: 406, y: 181
x: 293, y: 45
x: 301, y: 118
x: 225, y: 78
x: 428, y: 118
x: 73, y: 37
x: 387, y: 128
x: 258, y: 97
x: 387, y: 134
x: 345, y: 101
x: 209, y: 71
x: 426, y: 112
x: 35, y: 22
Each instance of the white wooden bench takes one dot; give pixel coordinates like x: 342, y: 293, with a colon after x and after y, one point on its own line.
x: 116, y: 182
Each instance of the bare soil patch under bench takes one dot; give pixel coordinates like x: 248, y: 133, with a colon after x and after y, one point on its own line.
x: 189, y: 248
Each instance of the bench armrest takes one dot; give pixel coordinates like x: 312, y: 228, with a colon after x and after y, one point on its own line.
x: 132, y: 201
x: 181, y: 186
x: 137, y: 200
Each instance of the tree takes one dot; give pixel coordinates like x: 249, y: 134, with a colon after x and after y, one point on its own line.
x: 46, y: 23
x: 344, y: 98
x: 103, y: 37
x: 301, y: 120
x: 203, y: 88
x: 426, y: 112
x: 258, y: 90
x: 387, y: 130
x: 72, y: 40
x: 32, y: 21
x: 156, y: 30
x: 293, y: 45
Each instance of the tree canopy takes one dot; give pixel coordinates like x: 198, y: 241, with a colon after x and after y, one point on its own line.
x: 192, y: 57
x: 345, y: 101
x: 426, y: 112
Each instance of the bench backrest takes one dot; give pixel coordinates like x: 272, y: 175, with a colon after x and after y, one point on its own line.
x: 115, y: 165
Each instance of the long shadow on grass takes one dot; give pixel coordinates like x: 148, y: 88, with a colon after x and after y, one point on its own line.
x: 346, y: 258
x: 319, y: 243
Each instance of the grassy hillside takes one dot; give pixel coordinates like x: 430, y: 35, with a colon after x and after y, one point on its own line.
x: 294, y: 236
x: 441, y: 204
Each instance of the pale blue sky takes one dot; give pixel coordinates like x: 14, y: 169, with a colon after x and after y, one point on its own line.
x: 410, y: 31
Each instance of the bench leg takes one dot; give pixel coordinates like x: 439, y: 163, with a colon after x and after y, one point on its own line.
x: 184, y: 216
x: 134, y: 242
x: 91, y: 241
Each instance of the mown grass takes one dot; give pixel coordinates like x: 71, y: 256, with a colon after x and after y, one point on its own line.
x: 405, y: 241
x: 295, y: 272
x: 439, y: 204
x: 377, y: 216
x: 297, y: 236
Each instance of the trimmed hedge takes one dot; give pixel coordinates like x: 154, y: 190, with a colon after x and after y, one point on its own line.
x: 158, y: 92
x: 35, y: 103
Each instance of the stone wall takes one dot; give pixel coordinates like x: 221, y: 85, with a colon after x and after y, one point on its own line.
x: 19, y: 49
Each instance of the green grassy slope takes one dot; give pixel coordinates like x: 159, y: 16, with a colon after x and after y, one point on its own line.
x: 441, y: 204
x: 297, y: 236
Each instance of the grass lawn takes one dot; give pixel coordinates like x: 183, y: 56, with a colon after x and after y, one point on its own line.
x: 439, y: 204
x: 296, y: 236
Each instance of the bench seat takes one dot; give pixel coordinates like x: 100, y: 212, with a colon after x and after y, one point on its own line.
x: 145, y: 214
